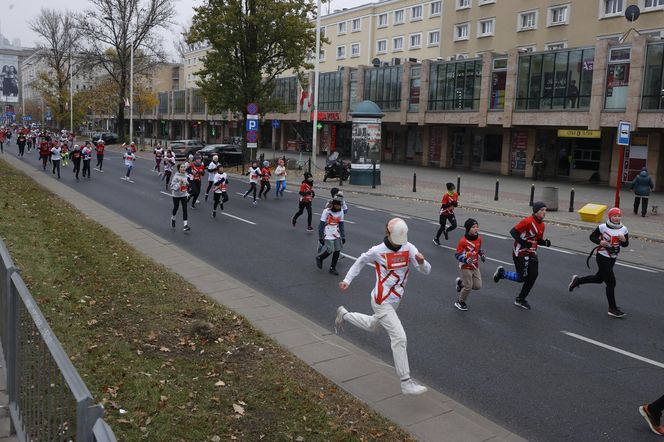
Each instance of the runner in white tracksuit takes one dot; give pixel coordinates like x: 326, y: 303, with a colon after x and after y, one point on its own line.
x: 392, y: 260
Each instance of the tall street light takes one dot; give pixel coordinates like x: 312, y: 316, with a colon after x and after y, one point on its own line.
x: 131, y: 82
x: 314, y: 135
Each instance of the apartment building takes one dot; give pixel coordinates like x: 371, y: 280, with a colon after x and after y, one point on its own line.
x: 193, y: 62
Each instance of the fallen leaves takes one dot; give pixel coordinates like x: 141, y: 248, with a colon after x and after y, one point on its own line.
x: 239, y: 409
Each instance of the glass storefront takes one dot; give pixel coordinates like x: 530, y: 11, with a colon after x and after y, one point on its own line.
x: 498, y: 81
x: 555, y: 80
x: 617, y: 79
x: 285, y: 93
x: 163, y: 102
x: 198, y: 102
x: 330, y: 93
x: 653, y: 82
x: 383, y: 86
x: 354, y: 99
x: 178, y: 102
x: 455, y: 85
x: 414, y: 94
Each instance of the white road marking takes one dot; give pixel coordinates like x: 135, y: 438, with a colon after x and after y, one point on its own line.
x: 345, y: 220
x: 636, y: 267
x: 615, y: 349
x: 349, y: 256
x: 289, y: 191
x: 239, y: 219
x: 502, y: 262
x: 366, y: 208
x: 554, y: 249
x: 399, y: 215
x: 493, y: 235
x: 165, y: 193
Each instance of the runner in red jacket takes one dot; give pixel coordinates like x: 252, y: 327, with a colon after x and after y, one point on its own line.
x: 307, y: 195
x: 447, y: 204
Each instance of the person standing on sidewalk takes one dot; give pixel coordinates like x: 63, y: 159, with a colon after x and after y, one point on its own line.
x: 528, y: 234
x: 538, y: 165
x: 307, y: 196
x: 448, y: 203
x: 652, y: 413
x: 254, y: 174
x: 55, y: 159
x: 179, y: 191
x: 196, y: 171
x: 642, y: 186
x: 392, y: 259
x: 280, y: 173
x: 99, y: 148
x: 212, y: 171
x: 609, y: 237
x: 86, y: 156
x: 129, y: 158
x: 220, y: 196
x: 331, y: 235
x: 76, y: 160
x: 468, y: 253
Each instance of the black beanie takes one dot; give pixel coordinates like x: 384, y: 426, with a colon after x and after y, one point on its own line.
x: 537, y: 206
x: 470, y: 222
x: 450, y: 186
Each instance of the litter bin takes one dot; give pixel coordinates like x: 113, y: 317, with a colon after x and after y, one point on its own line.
x: 550, y: 198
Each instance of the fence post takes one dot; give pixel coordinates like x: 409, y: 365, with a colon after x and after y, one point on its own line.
x: 309, y: 164
x: 495, y: 196
x: 414, y: 182
x: 373, y: 174
x: 571, y: 200
x: 459, y: 184
x: 532, y: 194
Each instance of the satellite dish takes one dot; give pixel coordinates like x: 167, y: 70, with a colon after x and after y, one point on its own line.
x: 375, y: 62
x: 632, y: 13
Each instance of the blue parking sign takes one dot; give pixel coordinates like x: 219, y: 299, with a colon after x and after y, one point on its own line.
x: 252, y: 125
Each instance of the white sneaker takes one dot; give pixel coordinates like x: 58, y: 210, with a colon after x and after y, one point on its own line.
x: 412, y: 387
x: 339, y: 320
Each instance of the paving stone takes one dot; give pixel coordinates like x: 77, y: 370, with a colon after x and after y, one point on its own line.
x: 319, y: 352
x: 409, y: 409
x: 374, y: 387
x: 269, y: 326
x: 296, y: 338
x: 263, y: 312
x: 347, y: 368
x: 450, y: 427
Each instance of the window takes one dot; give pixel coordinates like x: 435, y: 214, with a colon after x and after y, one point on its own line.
x: 398, y: 17
x: 321, y: 56
x: 653, y: 80
x: 617, y: 78
x: 414, y: 97
x: 382, y: 20
x: 555, y: 46
x: 397, y: 44
x: 462, y: 4
x: 498, y: 81
x: 381, y: 46
x: 454, y: 85
x: 653, y: 4
x: 356, y: 25
x: 341, y: 28
x: 461, y: 32
x: 485, y: 27
x: 527, y: 21
x: 416, y: 13
x: 355, y: 50
x: 415, y: 41
x: 322, y: 31
x: 526, y: 49
x: 341, y: 52
x: 611, y: 8
x: 434, y: 9
x: 383, y: 86
x: 485, y: 2
x: 330, y: 92
x: 558, y: 15
x: 555, y: 80
x: 434, y: 38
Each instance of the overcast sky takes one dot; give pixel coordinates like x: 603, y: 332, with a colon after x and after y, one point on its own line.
x: 17, y: 13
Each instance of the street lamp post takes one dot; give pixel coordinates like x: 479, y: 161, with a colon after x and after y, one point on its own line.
x: 71, y: 96
x: 314, y: 135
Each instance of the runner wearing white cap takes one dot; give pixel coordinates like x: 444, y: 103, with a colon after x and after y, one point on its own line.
x: 392, y: 260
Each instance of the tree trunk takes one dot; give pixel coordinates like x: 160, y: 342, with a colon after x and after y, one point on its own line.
x: 121, y: 122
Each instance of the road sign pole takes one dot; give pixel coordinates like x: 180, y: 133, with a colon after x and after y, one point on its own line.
x: 619, y: 179
x: 314, y: 131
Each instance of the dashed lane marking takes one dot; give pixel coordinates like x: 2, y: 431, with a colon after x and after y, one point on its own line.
x: 239, y: 219
x: 345, y: 220
x: 555, y: 249
x: 366, y: 208
x: 615, y: 349
x: 636, y: 267
x: 493, y: 235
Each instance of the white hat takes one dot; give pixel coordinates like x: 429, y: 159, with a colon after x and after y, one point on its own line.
x: 398, y: 231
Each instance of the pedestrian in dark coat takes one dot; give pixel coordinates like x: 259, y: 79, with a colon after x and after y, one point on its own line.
x: 642, y: 185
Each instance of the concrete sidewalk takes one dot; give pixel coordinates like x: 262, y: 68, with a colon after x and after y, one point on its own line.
x: 429, y: 417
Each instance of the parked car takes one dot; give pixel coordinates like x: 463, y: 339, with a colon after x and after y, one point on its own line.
x: 182, y: 148
x: 108, y: 137
x: 229, y: 154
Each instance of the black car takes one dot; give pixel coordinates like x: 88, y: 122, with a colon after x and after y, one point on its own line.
x: 183, y: 148
x: 108, y: 137
x: 229, y: 154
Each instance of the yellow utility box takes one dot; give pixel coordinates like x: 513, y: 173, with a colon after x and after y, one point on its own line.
x: 592, y: 213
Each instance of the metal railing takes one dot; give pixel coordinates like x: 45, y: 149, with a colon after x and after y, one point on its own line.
x: 48, y: 400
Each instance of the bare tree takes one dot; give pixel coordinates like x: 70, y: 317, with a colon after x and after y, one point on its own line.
x: 180, y: 41
x: 111, y: 27
x: 59, y: 42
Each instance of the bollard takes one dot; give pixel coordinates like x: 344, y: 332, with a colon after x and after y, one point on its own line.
x: 414, y: 182
x: 341, y: 174
x: 571, y: 200
x: 532, y: 195
x: 373, y: 174
x: 495, y: 196
x: 459, y: 185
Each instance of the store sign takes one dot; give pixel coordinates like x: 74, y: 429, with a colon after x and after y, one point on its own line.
x: 329, y: 116
x: 573, y: 133
x: 519, y: 146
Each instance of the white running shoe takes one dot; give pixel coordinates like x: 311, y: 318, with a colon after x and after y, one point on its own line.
x: 339, y: 320
x: 412, y: 387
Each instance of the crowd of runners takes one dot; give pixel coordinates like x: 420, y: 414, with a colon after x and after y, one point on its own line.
x: 392, y: 258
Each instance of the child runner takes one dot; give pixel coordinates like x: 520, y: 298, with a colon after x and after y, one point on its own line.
x: 280, y: 173
x: 331, y: 234
x: 448, y: 203
x: 86, y: 156
x: 99, y: 148
x: 652, y: 413
x: 220, y: 181
x: 129, y: 159
x: 179, y: 188
x: 45, y: 152
x: 468, y: 250
x: 392, y: 259
x: 55, y: 159
x: 609, y: 237
x: 158, y: 155
x: 169, y: 164
x: 212, y: 171
x: 254, y: 174
x: 307, y: 195
x: 196, y: 171
x: 76, y: 159
x: 265, y: 180
x: 21, y: 140
x: 335, y: 192
x: 64, y: 154
x: 527, y: 234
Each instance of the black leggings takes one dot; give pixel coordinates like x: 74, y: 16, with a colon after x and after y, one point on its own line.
x: 604, y: 275
x: 77, y: 166
x: 180, y: 200
x: 86, y: 168
x: 21, y: 149
x: 443, y: 220
x: 252, y: 188
x: 265, y: 187
x: 644, y: 204
x: 195, y: 191
x: 527, y: 269
x: 100, y: 162
x: 303, y: 205
x: 167, y: 176
x: 210, y: 184
x: 335, y: 257
x: 219, y: 200
x: 56, y: 166
x: 656, y: 408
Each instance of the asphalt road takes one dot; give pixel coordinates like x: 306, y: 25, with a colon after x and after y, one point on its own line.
x: 534, y: 372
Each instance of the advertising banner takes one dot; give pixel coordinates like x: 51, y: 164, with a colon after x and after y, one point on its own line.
x: 9, y: 78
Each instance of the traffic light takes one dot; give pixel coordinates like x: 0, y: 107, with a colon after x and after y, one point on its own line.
x: 319, y: 126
